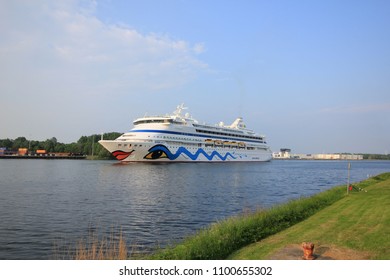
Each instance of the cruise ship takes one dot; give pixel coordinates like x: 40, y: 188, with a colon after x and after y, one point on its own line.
x: 180, y: 138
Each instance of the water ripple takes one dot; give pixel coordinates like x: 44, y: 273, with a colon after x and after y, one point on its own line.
x: 43, y: 203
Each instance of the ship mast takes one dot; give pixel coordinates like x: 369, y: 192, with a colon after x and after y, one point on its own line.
x: 179, y: 109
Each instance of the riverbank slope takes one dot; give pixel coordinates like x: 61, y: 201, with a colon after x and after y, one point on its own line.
x: 355, y: 227
x: 359, y: 222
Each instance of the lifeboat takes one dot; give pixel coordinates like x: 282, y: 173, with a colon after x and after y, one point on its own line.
x: 241, y: 144
x: 218, y: 143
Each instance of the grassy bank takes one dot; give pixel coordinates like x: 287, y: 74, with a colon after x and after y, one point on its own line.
x: 222, y: 239
x: 358, y: 224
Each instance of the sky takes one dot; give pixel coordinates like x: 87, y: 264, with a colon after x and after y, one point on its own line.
x: 312, y: 76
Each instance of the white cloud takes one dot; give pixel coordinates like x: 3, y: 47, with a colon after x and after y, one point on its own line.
x: 59, y: 56
x: 199, y: 48
x: 64, y: 41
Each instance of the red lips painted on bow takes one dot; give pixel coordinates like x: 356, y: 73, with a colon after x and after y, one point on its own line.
x: 121, y: 155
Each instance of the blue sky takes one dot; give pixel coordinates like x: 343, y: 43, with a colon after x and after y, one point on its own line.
x: 313, y: 76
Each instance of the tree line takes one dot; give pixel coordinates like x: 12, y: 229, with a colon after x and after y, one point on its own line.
x: 86, y: 145
x: 376, y: 156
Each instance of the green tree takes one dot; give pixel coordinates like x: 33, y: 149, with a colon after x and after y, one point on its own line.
x: 59, y: 148
x: 20, y: 142
x: 6, y: 143
x: 82, y: 146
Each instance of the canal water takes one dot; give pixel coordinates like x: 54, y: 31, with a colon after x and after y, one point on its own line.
x: 46, y: 204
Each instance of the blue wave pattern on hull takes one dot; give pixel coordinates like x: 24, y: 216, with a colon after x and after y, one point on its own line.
x: 160, y: 151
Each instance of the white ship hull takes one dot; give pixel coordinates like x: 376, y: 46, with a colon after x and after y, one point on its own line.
x: 178, y: 138
x: 142, y: 151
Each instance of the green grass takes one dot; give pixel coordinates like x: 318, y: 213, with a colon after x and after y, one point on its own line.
x: 359, y: 222
x: 223, y: 238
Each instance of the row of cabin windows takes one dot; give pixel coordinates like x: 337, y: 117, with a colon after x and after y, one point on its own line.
x: 125, y: 145
x: 199, y: 145
x: 189, y: 139
x: 176, y: 138
x: 230, y: 135
x: 157, y: 121
x: 223, y: 129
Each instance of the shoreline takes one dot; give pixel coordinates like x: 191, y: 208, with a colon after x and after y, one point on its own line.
x: 353, y: 228
x: 40, y: 157
x: 226, y: 239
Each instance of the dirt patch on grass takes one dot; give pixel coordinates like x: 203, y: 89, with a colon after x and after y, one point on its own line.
x: 321, y: 252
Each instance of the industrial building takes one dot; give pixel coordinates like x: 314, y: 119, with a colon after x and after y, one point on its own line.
x: 286, y: 154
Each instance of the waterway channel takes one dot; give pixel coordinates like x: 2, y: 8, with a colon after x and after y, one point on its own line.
x: 46, y: 203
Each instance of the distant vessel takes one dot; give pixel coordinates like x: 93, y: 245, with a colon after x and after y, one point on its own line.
x: 180, y: 138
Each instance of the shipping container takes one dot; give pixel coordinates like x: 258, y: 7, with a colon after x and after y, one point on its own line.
x: 41, y: 152
x: 61, y: 154
x: 22, y: 151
